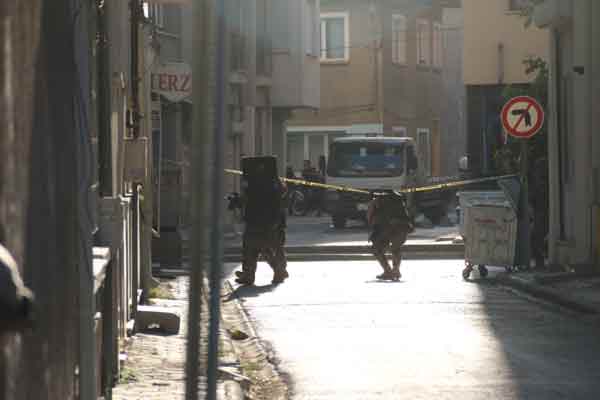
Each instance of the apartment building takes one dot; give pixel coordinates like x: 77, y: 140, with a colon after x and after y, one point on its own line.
x: 453, y: 136
x: 496, y: 42
x: 168, y: 98
x: 272, y: 68
x: 381, y: 72
x: 573, y: 123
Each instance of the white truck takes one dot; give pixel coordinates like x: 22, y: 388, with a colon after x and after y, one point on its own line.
x: 377, y: 164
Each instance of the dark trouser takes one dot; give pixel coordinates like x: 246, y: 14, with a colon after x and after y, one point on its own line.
x: 538, y: 236
x: 383, y: 237
x: 269, y: 243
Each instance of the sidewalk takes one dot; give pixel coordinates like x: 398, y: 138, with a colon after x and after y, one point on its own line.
x: 154, y: 366
x: 578, y: 291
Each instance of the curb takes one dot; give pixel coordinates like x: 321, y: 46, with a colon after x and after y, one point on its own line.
x: 550, y: 295
x: 564, y: 277
x: 233, y: 383
x: 316, y: 257
x: 257, y: 351
x: 359, y: 249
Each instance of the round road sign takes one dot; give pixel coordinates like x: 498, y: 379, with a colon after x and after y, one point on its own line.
x: 522, y: 117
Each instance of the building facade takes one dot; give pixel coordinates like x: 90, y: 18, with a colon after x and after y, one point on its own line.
x: 270, y: 72
x: 453, y: 119
x: 573, y: 119
x: 76, y: 179
x: 171, y: 124
x: 381, y: 72
x: 496, y: 42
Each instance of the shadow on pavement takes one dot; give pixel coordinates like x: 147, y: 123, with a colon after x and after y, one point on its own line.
x: 543, y: 353
x: 249, y: 291
x: 374, y: 281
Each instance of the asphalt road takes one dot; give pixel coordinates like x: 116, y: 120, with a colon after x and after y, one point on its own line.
x: 318, y: 231
x: 340, y: 334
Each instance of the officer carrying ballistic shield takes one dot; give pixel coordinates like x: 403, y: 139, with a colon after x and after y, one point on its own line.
x: 264, y: 203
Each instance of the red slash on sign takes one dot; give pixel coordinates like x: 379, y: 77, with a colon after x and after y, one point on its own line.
x: 522, y: 117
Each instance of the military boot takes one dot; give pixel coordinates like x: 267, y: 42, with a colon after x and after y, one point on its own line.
x: 280, y: 275
x: 386, y: 276
x: 387, y: 271
x: 396, y: 275
x: 244, y: 278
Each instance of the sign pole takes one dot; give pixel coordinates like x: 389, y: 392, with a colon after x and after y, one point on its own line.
x: 525, y: 242
x: 522, y: 117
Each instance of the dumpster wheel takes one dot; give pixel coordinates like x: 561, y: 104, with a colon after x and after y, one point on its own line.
x: 483, y: 271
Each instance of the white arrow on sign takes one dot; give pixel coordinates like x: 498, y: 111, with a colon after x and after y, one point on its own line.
x: 522, y: 117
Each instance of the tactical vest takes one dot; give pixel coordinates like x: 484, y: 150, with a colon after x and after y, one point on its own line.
x: 391, y: 210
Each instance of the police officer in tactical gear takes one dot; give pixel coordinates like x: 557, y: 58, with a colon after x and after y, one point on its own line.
x: 263, y: 197
x: 391, y: 224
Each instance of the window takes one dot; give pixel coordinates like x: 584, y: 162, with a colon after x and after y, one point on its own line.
x: 400, y: 131
x: 423, y: 43
x: 399, y: 28
x: 335, y: 37
x: 366, y: 159
x: 424, y: 149
x: 311, y: 28
x: 438, y: 45
x: 518, y: 5
x: 155, y: 13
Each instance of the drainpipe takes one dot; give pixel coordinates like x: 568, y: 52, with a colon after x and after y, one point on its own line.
x: 501, y: 63
x: 135, y: 79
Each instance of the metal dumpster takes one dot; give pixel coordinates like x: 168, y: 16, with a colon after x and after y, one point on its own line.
x: 489, y: 229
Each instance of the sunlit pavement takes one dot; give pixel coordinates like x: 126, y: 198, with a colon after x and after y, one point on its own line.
x: 340, y: 334
x: 317, y: 231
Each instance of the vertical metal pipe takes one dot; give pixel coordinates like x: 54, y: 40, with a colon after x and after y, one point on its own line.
x: 135, y: 79
x: 200, y: 152
x: 216, y: 239
x: 525, y: 239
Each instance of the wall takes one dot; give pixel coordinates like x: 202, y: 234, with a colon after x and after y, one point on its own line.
x: 289, y: 22
x: 348, y: 90
x: 489, y: 23
x: 412, y: 93
x: 40, y: 217
x: 573, y: 143
x: 452, y: 130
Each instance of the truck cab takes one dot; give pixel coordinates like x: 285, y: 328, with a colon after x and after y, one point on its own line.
x: 374, y: 164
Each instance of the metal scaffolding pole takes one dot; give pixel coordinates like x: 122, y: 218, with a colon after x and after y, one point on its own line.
x: 200, y: 201
x: 216, y: 223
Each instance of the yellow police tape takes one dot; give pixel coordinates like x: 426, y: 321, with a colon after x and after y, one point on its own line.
x: 418, y: 189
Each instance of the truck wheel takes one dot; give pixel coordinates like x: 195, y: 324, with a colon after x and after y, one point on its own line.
x: 338, y: 222
x: 298, y: 201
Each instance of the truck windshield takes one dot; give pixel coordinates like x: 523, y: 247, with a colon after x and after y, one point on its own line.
x: 366, y: 159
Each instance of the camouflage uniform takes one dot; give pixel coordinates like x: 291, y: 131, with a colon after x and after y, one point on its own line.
x: 391, y: 225
x: 265, y: 216
x: 268, y: 242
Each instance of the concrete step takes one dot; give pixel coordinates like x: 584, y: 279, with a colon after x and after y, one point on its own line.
x: 157, y: 319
